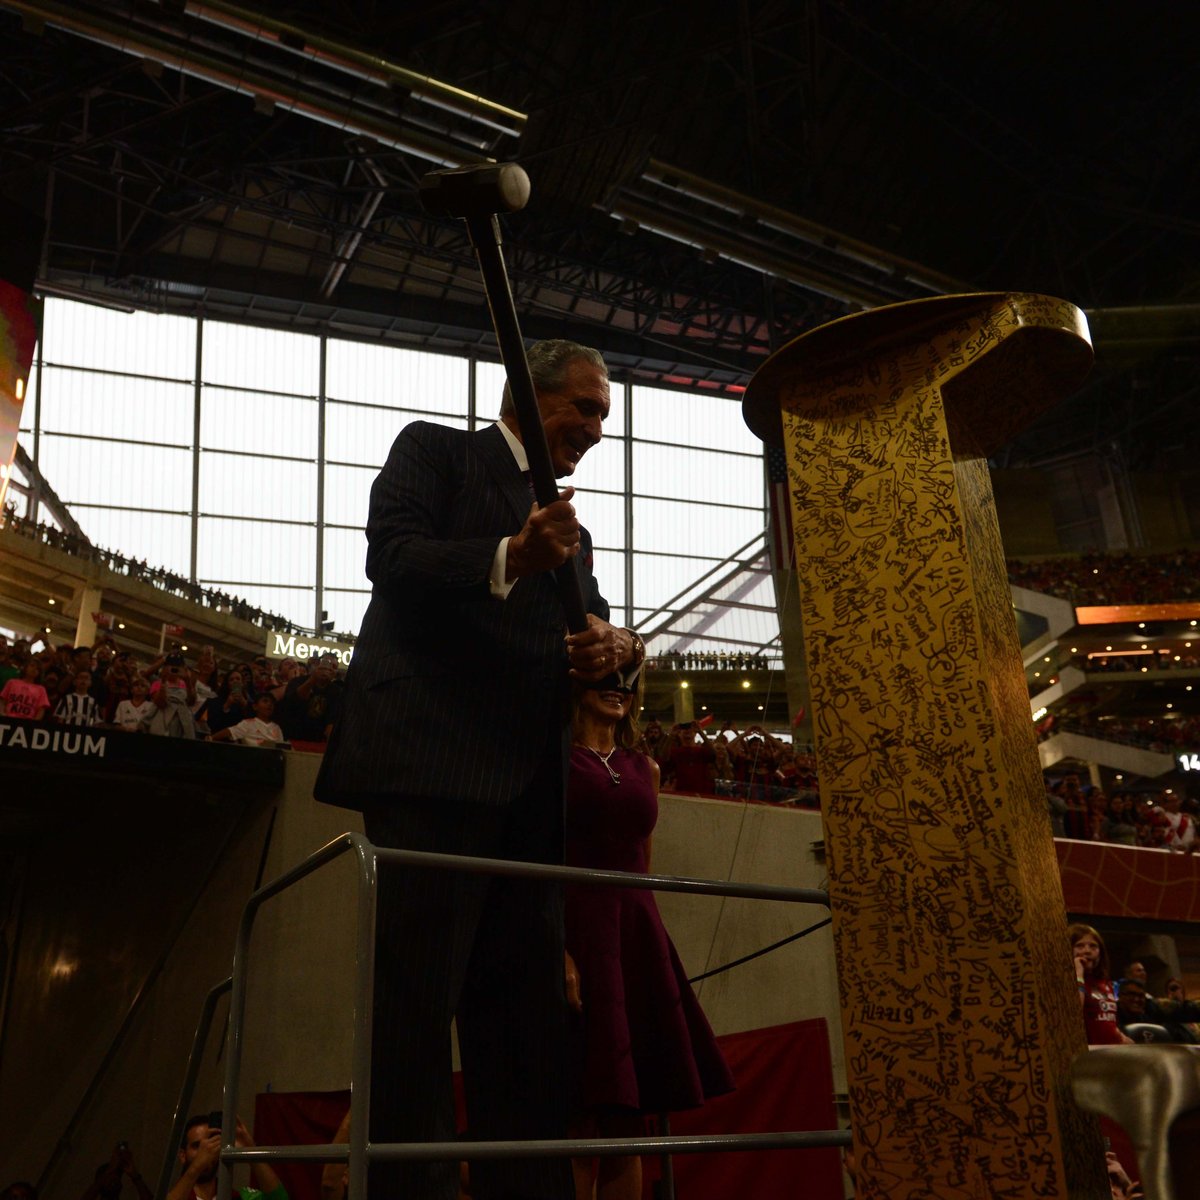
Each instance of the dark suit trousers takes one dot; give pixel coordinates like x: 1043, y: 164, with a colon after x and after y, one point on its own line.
x: 489, y: 951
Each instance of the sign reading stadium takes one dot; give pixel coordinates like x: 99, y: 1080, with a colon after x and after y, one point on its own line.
x: 288, y: 645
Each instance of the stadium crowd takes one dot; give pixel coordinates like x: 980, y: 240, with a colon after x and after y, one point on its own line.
x: 159, y: 577
x: 1166, y: 821
x: 1163, y: 734
x: 1099, y: 579
x: 750, y: 765
x: 699, y: 660
x: 258, y: 702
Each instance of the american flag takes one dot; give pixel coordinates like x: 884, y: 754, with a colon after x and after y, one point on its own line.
x: 782, y: 554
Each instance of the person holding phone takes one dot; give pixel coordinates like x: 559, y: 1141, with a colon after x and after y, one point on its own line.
x: 229, y: 706
x: 199, y: 1155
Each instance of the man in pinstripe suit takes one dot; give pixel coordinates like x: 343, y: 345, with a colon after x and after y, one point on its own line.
x: 453, y: 737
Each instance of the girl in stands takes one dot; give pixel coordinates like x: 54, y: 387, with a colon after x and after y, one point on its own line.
x: 1094, y: 978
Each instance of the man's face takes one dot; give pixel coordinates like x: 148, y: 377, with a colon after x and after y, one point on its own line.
x: 196, y: 1137
x: 1136, y: 970
x: 1132, y: 1001
x: 323, y: 672
x: 572, y: 416
x: 1175, y: 989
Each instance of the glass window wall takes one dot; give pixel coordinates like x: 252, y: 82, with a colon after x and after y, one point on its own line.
x: 115, y: 426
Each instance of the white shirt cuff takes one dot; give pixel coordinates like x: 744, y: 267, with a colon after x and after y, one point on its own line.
x: 496, y: 581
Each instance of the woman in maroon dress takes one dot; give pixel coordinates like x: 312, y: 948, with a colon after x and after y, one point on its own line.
x: 646, y: 1046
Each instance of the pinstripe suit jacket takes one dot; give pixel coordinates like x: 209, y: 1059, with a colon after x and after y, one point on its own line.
x: 451, y: 693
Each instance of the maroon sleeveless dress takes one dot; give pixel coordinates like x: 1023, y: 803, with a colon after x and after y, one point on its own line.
x: 646, y: 1044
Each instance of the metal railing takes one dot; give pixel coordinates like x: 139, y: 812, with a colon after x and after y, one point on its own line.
x: 359, y: 1151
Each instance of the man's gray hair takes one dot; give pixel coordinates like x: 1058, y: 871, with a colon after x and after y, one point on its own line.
x: 548, y: 363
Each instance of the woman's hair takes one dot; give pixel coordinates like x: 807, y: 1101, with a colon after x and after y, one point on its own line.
x: 1079, y: 930
x: 629, y: 729
x: 227, y: 678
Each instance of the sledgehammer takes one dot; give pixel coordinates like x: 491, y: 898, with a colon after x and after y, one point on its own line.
x: 476, y: 194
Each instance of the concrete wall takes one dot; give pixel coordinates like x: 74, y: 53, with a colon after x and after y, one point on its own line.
x: 121, y: 889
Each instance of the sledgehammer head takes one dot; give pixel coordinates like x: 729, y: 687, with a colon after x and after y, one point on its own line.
x: 475, y: 191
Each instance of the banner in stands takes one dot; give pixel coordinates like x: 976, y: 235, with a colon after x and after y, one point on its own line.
x: 111, y: 751
x: 288, y: 645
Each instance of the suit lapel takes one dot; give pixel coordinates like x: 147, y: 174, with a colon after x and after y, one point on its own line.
x: 497, y: 457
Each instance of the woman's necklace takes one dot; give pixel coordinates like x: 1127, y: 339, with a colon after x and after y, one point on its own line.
x: 613, y: 775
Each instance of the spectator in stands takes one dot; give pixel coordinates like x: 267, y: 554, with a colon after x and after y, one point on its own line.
x: 1056, y: 806
x: 25, y: 697
x: 82, y: 660
x: 691, y: 760
x: 258, y: 730
x: 103, y: 653
x: 755, y: 753
x: 231, y: 704
x: 133, y: 713
x: 310, y: 704
x: 1180, y: 833
x: 19, y: 1190
x: 172, y: 695
x: 1094, y: 979
x: 1119, y: 827
x: 262, y: 678
x: 207, y: 675
x: 722, y: 766
x: 78, y: 707
x: 1075, y: 820
x: 64, y: 657
x: 110, y: 1175
x: 1097, y: 808
x: 55, y: 680
x: 1173, y: 1017
x: 1144, y: 821
x: 1178, y: 994
x: 198, y: 1155
x: 1131, y: 1010
x: 8, y: 669
x: 286, y: 670
x: 1137, y: 970
x: 118, y: 684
